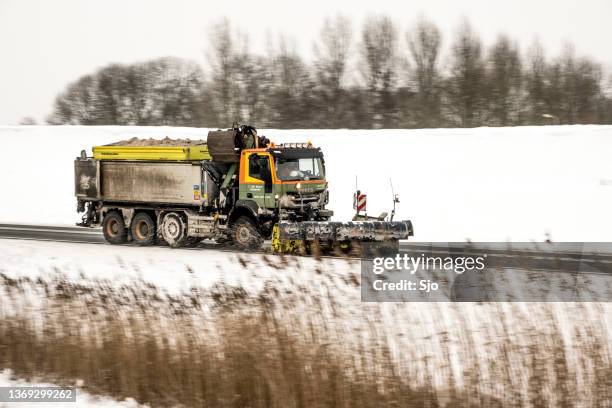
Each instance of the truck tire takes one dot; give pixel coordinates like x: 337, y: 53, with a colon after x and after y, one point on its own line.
x: 245, y: 234
x: 143, y: 229
x: 114, y: 228
x: 173, y: 230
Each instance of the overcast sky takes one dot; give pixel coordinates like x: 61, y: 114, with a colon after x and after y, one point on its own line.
x: 45, y: 44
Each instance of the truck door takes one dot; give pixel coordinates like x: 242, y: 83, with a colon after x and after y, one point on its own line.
x: 257, y: 182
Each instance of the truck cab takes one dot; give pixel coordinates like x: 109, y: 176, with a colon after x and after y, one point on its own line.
x: 285, y: 180
x: 278, y: 183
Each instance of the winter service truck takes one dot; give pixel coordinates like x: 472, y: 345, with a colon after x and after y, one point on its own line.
x: 236, y: 187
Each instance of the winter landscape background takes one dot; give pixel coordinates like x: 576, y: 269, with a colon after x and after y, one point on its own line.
x: 500, y: 137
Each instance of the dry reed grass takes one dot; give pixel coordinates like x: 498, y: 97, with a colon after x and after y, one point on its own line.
x: 301, y: 344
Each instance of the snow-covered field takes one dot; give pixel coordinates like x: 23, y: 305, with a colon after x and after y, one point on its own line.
x: 485, y: 184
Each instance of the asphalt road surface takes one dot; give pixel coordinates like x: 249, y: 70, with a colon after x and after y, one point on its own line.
x: 570, y: 257
x: 52, y: 233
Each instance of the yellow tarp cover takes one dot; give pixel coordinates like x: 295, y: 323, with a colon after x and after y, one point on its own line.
x: 148, y: 153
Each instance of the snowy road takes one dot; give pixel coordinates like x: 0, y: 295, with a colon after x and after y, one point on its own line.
x: 570, y: 257
x: 52, y: 233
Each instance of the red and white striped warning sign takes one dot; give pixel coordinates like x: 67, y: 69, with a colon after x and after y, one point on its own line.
x: 361, y: 202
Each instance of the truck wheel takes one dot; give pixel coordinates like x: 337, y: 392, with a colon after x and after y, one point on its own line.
x: 173, y: 230
x: 113, y: 228
x: 143, y: 229
x: 245, y: 234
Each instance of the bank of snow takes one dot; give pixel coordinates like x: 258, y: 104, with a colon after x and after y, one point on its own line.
x: 485, y: 184
x: 175, y: 270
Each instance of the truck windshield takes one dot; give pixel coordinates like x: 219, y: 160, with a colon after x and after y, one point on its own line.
x: 310, y: 168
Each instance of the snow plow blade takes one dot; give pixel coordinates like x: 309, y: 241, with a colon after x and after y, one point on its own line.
x: 355, y: 238
x: 374, y: 231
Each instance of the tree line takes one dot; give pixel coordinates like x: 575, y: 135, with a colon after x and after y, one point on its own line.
x: 379, y: 77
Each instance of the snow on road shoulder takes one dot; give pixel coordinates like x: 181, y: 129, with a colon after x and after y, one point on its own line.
x: 174, y: 270
x: 84, y: 399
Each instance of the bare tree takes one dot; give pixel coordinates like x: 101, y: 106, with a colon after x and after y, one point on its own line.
x: 166, y: 91
x: 241, y: 81
x: 568, y: 89
x: 76, y: 105
x: 535, y: 82
x: 291, y: 98
x: 580, y: 88
x: 424, y: 45
x: 174, y: 87
x: 379, y: 67
x: 254, y: 80
x: 504, y: 82
x: 605, y: 105
x: 330, y: 64
x: 281, y: 90
x: 465, y: 84
x: 564, y: 90
x: 223, y: 60
x: 588, y: 85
